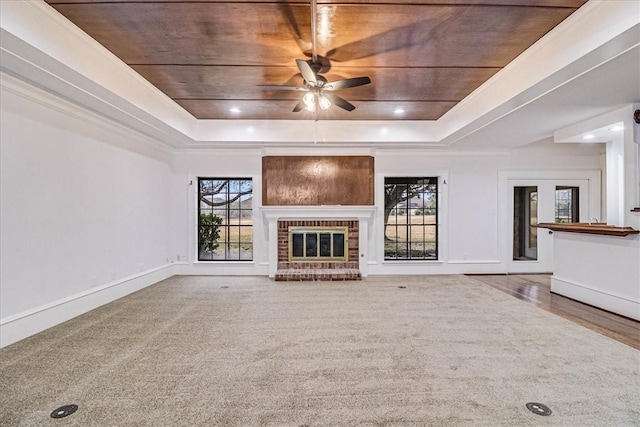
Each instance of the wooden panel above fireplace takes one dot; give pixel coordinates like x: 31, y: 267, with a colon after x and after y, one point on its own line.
x: 317, y: 180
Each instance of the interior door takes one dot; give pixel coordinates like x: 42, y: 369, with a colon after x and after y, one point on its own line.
x: 533, y: 202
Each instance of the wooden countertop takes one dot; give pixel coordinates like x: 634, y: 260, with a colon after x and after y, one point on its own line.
x: 583, y: 227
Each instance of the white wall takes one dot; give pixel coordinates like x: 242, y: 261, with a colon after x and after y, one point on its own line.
x: 83, y: 220
x: 191, y: 164
x: 92, y: 211
x: 471, y: 226
x: 472, y: 229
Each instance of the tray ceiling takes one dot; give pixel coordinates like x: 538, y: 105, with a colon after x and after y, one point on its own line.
x: 423, y: 57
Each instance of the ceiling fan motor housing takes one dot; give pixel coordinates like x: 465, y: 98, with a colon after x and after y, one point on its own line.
x: 320, y: 81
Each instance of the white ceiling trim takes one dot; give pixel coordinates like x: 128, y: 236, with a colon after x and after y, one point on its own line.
x: 570, y: 50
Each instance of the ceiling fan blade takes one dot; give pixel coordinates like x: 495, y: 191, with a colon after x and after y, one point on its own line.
x: 306, y: 71
x: 299, y: 107
x: 347, y: 83
x: 276, y: 87
x: 340, y: 102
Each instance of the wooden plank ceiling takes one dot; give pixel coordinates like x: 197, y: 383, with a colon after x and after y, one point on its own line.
x: 423, y: 56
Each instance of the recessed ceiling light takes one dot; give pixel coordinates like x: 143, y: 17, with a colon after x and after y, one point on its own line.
x: 617, y: 128
x: 398, y: 110
x: 234, y: 110
x: 589, y: 136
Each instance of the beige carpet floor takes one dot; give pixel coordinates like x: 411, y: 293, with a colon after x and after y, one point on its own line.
x: 247, y: 351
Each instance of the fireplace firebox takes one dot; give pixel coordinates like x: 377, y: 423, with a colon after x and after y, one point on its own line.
x: 318, y: 250
x: 318, y: 244
x: 356, y: 220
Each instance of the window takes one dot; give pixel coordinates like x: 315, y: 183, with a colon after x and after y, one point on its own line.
x: 567, y: 203
x: 411, y: 218
x: 225, y: 219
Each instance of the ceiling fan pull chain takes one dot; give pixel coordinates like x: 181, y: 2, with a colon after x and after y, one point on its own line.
x: 314, y: 35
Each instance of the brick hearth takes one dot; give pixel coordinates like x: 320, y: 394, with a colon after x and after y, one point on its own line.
x: 297, y: 271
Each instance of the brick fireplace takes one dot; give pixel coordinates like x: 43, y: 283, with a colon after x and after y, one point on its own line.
x: 317, y: 269
x: 279, y: 220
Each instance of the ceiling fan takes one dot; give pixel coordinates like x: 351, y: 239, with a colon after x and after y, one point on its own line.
x: 318, y: 91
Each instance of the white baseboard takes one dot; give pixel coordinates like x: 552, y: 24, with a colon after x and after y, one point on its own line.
x: 22, y: 325
x: 597, y: 298
x: 221, y: 268
x: 474, y: 261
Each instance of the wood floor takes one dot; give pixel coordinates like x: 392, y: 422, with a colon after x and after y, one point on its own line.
x: 535, y: 288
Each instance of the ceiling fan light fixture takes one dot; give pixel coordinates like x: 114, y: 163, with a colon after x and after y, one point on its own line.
x: 324, y: 102
x: 309, y: 100
x: 318, y: 92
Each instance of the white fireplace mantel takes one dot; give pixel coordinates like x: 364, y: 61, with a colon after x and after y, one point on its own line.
x: 272, y: 214
x: 321, y: 212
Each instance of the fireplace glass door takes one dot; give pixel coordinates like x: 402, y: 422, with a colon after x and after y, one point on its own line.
x: 317, y: 243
